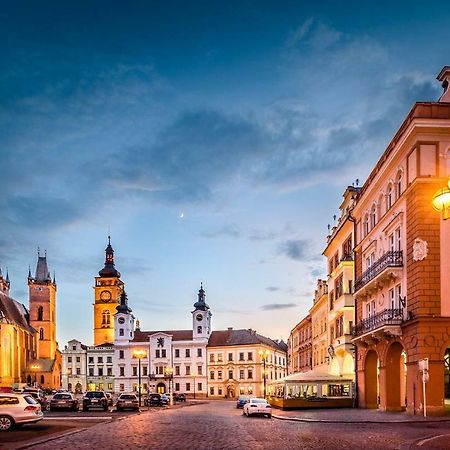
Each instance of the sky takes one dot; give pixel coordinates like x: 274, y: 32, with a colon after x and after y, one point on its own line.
x: 212, y: 140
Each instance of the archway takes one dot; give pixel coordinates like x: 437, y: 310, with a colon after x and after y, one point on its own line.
x: 396, y: 377
x: 371, y: 380
x: 161, y: 388
x: 78, y: 388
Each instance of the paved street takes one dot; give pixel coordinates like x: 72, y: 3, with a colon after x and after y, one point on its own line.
x: 219, y: 425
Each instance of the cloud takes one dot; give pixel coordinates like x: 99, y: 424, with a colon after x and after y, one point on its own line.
x: 277, y: 306
x: 272, y: 288
x: 297, y: 249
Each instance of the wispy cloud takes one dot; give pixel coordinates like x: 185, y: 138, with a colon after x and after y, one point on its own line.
x: 272, y: 288
x: 298, y: 249
x: 277, y: 306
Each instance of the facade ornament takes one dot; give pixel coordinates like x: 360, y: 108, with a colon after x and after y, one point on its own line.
x: 420, y: 249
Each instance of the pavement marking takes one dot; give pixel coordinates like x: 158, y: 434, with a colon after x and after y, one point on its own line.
x: 79, y: 418
x: 425, y: 441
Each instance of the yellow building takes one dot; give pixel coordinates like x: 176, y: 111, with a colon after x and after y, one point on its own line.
x: 107, y: 290
x: 242, y: 362
x: 319, y: 325
x: 17, y: 338
x: 341, y: 303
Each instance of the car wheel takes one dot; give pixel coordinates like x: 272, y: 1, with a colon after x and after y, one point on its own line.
x: 6, y: 423
x: 269, y: 416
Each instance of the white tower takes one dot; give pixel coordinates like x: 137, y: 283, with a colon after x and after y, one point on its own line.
x: 201, y: 318
x: 123, y: 321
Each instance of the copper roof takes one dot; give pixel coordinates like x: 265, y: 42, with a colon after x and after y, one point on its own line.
x: 14, y: 312
x: 224, y: 338
x: 177, y: 335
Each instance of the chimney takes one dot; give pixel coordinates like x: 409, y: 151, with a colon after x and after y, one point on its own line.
x: 444, y: 78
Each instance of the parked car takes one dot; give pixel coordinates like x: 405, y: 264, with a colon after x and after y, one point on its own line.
x: 95, y: 399
x: 179, y: 397
x: 110, y: 398
x: 257, y: 406
x: 38, y: 395
x: 242, y: 400
x: 129, y: 401
x: 153, y: 400
x: 64, y: 401
x: 17, y: 410
x: 165, y: 399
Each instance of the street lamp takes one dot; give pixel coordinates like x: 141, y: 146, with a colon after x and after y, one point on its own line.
x: 169, y: 374
x: 35, y: 368
x: 139, y: 354
x: 264, y: 354
x: 441, y: 201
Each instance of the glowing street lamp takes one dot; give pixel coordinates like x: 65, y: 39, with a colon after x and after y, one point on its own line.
x: 139, y: 354
x: 264, y: 354
x: 35, y: 368
x: 441, y: 201
x: 169, y: 374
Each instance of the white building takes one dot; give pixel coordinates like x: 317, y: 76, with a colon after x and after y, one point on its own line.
x: 100, y: 376
x: 74, y: 366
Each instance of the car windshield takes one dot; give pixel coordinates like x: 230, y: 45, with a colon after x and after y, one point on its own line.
x: 94, y: 394
x: 258, y: 400
x: 243, y: 398
x: 62, y: 397
x: 127, y: 397
x: 29, y: 399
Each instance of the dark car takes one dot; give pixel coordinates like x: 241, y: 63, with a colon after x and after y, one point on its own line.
x: 165, y: 399
x: 153, y: 400
x: 95, y: 399
x: 127, y: 401
x: 242, y: 400
x: 64, y: 401
x: 179, y: 397
x: 38, y: 395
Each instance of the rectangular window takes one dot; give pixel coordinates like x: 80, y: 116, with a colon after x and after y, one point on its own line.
x: 339, y: 286
x: 121, y: 332
x: 219, y: 391
x: 250, y: 374
x: 199, y: 387
x: 69, y: 359
x: 78, y: 359
x: 91, y: 371
x: 121, y: 354
x: 109, y: 359
x: 121, y: 387
x: 241, y: 356
x: 100, y: 371
x: 188, y: 370
x: 219, y: 374
x: 199, y: 352
x: 157, y: 353
x: 211, y: 391
x: 250, y: 356
x: 230, y: 374
x: 110, y: 386
x: 109, y: 371
x: 177, y: 386
x: 121, y: 371
x: 91, y: 360
x: 230, y: 356
x: 177, y: 353
x: 100, y: 360
x: 219, y: 357
x: 211, y: 375
x: 78, y: 371
x: 188, y: 353
x: 211, y: 357
x: 188, y: 387
x: 135, y: 371
x: 199, y: 329
x: 199, y: 370
x: 163, y: 353
x: 145, y: 371
x: 177, y: 370
x: 398, y: 239
x: 241, y: 374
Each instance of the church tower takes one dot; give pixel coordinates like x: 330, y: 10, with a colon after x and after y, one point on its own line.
x: 42, y: 295
x: 201, y: 318
x: 107, y: 291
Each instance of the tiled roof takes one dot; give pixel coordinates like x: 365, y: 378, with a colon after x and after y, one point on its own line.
x: 177, y: 335
x: 14, y: 312
x: 224, y: 338
x: 42, y: 273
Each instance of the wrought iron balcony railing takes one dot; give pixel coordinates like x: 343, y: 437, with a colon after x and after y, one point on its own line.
x: 389, y: 259
x: 378, y: 320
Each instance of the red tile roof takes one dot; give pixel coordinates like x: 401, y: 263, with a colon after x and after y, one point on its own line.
x: 224, y: 338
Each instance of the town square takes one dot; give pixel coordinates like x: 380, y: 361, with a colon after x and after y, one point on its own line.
x: 225, y: 225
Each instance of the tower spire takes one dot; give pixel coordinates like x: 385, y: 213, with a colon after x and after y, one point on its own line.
x: 201, y: 303
x: 109, y: 270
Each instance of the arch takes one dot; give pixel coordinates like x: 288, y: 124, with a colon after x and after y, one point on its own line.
x: 161, y: 388
x: 78, y: 388
x: 40, y: 313
x: 396, y: 374
x: 371, y: 379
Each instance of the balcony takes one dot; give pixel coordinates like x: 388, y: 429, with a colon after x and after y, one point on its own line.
x: 380, y: 326
x: 343, y: 302
x: 388, y: 267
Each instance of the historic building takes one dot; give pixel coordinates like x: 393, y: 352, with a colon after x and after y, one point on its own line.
x: 341, y: 305
x: 402, y: 263
x: 299, y: 347
x: 107, y: 291
x: 74, y: 367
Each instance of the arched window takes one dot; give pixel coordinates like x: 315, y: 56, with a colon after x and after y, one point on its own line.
x: 41, y: 334
x: 40, y: 314
x: 380, y: 207
x: 106, y: 317
x: 366, y: 225
x: 399, y: 184
x: 42, y: 379
x: 389, y: 197
x: 373, y: 216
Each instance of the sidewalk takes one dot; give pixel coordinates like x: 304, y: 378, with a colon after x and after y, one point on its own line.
x: 352, y: 415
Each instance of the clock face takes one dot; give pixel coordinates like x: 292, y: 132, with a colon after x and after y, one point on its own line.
x: 121, y: 320
x: 199, y: 317
x: 105, y: 296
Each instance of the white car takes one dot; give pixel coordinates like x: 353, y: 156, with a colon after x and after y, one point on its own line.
x: 257, y: 406
x: 18, y: 409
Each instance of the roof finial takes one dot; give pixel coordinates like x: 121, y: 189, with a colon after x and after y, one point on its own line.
x: 7, y: 275
x: 54, y: 277
x: 45, y: 253
x: 29, y: 271
x: 109, y: 239
x: 39, y: 251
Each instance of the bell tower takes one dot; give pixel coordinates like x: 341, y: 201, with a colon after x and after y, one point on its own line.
x: 107, y: 291
x: 201, y: 317
x: 42, y: 296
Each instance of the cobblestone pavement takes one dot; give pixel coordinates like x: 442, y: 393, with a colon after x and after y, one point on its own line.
x: 219, y: 425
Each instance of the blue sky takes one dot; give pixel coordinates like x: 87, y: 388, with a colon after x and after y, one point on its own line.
x: 213, y: 139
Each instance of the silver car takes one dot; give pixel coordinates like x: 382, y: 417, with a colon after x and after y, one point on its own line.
x: 18, y: 409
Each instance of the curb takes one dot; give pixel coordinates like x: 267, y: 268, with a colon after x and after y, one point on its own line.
x: 49, y: 439
x: 297, y: 419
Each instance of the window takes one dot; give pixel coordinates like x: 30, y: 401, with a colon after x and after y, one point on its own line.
x: 163, y: 353
x: 109, y: 359
x: 241, y: 356
x: 199, y: 329
x: 398, y: 294
x: 121, y: 387
x: 121, y: 354
x: 339, y: 286
x: 135, y: 371
x: 250, y: 356
x: 211, y: 375
x: 100, y: 371
x: 373, y: 216
x: 41, y: 334
x: 40, y: 313
x: 177, y: 370
x: 106, y: 317
x: 389, y: 197
x: 219, y: 391
x: 200, y: 370
x: 398, y: 239
x: 100, y: 359
x: 109, y: 371
x: 188, y: 370
x: 347, y: 249
x: 250, y: 374
x: 91, y: 371
x: 69, y: 359
x: 177, y: 353
x: 91, y: 360
x: 157, y: 353
x: 121, y: 371
x: 69, y: 370
x: 177, y: 386
x: 160, y: 370
x: 188, y: 353
x: 230, y: 374
x: 78, y: 371
x: 110, y: 386
x: 219, y: 374
x: 399, y: 184
x: 145, y: 371
x: 188, y: 387
x: 366, y: 225
x: 211, y: 391
x: 392, y: 298
x: 199, y: 387
x: 230, y: 356
x: 241, y: 374
x: 121, y: 333
x: 211, y: 357
x: 199, y: 352
x: 219, y: 357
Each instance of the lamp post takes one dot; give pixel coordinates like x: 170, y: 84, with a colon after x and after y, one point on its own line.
x: 35, y: 368
x: 139, y: 354
x: 264, y: 354
x: 441, y: 201
x: 169, y: 374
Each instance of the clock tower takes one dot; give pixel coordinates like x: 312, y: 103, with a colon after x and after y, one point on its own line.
x: 201, y: 318
x: 107, y: 291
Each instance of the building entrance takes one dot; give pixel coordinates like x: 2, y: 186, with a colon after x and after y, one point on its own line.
x: 161, y: 388
x: 371, y: 380
x: 396, y: 378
